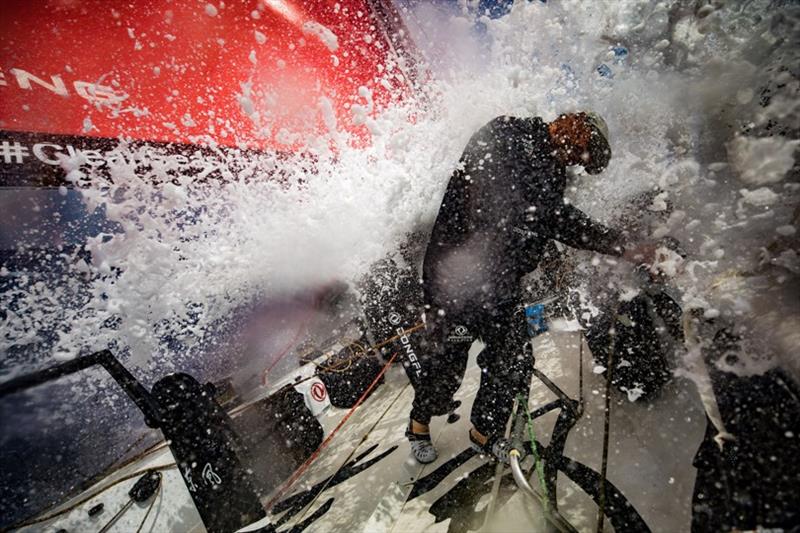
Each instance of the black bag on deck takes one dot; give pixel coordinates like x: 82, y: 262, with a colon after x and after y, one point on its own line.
x: 648, y: 329
x: 280, y: 425
x: 348, y: 374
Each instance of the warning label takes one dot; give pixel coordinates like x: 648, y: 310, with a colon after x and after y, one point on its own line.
x: 318, y: 392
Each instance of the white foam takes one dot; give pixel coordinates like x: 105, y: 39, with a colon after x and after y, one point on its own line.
x: 286, y: 224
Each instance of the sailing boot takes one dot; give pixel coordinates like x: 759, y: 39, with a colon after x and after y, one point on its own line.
x: 421, y: 446
x: 496, y: 448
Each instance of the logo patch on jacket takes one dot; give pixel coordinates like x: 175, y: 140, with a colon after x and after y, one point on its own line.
x: 460, y: 334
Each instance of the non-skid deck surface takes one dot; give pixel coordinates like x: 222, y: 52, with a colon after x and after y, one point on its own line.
x: 382, y: 489
x: 366, y: 480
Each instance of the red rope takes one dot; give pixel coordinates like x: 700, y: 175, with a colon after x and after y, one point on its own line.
x: 303, y: 326
x: 292, y: 343
x: 301, y: 470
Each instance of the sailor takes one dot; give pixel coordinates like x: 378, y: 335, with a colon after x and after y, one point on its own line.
x: 503, y: 204
x: 647, y: 327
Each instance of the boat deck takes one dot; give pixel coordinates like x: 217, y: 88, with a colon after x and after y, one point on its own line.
x: 366, y: 480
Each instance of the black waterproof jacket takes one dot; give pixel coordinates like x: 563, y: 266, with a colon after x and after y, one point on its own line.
x: 502, y: 205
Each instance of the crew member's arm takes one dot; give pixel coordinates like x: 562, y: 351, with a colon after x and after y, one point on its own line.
x: 575, y: 228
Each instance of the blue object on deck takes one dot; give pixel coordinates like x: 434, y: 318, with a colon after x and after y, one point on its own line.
x: 537, y: 323
x: 620, y: 53
x: 605, y: 71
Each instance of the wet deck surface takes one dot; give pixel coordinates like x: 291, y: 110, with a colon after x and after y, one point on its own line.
x: 650, y: 459
x: 366, y: 480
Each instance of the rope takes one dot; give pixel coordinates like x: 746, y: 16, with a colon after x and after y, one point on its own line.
x: 149, y: 508
x: 301, y: 470
x: 580, y: 371
x: 286, y: 350
x: 538, y: 463
x: 606, y: 425
x: 412, y: 329
x: 91, y: 496
x: 368, y: 350
x: 352, y: 453
x: 303, y: 325
x: 162, y: 444
x: 344, y: 365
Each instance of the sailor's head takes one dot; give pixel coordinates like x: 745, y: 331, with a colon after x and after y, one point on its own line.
x: 581, y: 139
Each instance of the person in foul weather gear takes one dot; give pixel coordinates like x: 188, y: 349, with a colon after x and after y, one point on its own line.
x: 647, y: 328
x: 502, y: 206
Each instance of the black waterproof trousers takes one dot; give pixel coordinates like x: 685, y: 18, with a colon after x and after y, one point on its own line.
x: 505, y: 369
